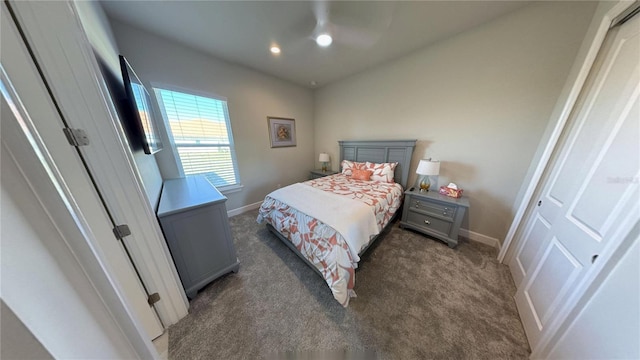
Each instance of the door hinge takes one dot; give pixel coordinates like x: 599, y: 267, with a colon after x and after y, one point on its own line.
x: 120, y: 231
x: 153, y: 298
x: 76, y: 137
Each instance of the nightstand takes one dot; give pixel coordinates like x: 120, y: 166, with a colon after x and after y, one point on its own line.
x: 435, y: 215
x: 318, y: 173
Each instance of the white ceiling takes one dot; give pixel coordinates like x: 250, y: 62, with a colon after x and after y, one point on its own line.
x: 366, y: 33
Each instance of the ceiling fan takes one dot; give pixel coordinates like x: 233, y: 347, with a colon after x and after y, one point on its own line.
x: 358, y: 24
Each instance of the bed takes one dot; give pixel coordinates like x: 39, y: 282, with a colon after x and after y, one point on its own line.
x: 331, y: 221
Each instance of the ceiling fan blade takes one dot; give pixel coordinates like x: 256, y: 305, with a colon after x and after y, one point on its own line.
x: 354, y: 36
x: 321, y: 12
x: 361, y: 25
x: 302, y: 31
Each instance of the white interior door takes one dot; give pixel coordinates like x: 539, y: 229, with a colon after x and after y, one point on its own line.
x: 590, y: 188
x: 32, y: 99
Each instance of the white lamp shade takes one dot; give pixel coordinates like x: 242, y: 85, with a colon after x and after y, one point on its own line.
x: 428, y: 167
x: 324, y: 157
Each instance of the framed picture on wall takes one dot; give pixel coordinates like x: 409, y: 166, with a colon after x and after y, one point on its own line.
x: 282, y: 131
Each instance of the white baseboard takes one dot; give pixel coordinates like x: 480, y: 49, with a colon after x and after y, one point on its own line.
x: 481, y: 238
x: 244, y: 209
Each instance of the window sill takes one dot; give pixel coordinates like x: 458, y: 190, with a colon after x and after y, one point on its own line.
x: 230, y: 189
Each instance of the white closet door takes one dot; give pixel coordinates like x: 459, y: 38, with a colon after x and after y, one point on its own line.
x: 31, y: 93
x: 590, y: 188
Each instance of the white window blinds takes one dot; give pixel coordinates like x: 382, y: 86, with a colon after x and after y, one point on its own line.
x: 200, y: 133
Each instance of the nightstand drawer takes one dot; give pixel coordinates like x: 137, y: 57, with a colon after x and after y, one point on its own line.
x: 433, y: 214
x: 434, y: 208
x: 429, y: 223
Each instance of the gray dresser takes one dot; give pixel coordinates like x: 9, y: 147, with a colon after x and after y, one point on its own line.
x: 435, y: 215
x: 194, y: 220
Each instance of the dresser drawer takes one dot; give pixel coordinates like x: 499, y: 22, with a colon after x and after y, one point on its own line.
x: 434, y: 208
x: 429, y: 223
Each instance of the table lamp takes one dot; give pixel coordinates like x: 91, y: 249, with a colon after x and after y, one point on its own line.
x: 426, y: 168
x: 324, y: 159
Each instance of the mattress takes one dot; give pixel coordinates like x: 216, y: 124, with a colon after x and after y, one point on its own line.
x: 319, y: 242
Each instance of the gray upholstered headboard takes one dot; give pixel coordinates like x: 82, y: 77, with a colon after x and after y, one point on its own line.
x: 399, y: 151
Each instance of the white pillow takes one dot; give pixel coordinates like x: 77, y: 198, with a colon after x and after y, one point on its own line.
x: 348, y: 165
x: 382, y: 172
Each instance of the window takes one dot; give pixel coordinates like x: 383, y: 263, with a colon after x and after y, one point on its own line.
x: 200, y: 134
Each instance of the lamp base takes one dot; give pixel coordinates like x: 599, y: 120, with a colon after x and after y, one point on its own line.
x: 425, y: 184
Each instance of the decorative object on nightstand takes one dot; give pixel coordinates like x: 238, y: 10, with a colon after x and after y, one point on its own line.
x: 318, y: 173
x: 451, y: 190
x: 324, y: 159
x: 426, y: 168
x: 435, y: 215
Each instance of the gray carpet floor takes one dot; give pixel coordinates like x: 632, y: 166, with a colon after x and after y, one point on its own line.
x: 417, y: 299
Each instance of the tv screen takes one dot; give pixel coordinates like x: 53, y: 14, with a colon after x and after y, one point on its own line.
x: 142, y: 118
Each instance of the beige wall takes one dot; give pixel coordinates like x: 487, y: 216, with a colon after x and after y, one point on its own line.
x: 479, y: 102
x: 251, y: 97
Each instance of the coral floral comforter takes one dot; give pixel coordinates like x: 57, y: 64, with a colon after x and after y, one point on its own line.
x: 321, y: 244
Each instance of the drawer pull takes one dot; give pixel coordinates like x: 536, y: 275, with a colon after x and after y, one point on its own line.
x: 427, y: 222
x: 417, y: 203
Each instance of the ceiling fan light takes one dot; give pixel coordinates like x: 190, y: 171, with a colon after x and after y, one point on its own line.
x: 324, y: 40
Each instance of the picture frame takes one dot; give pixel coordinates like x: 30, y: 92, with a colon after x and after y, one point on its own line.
x: 282, y: 131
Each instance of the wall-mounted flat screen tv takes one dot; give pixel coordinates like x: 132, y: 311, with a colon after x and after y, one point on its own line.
x: 141, y: 116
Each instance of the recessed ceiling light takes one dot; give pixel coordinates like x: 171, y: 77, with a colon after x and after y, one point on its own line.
x: 275, y: 50
x: 313, y: 83
x: 324, y: 40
